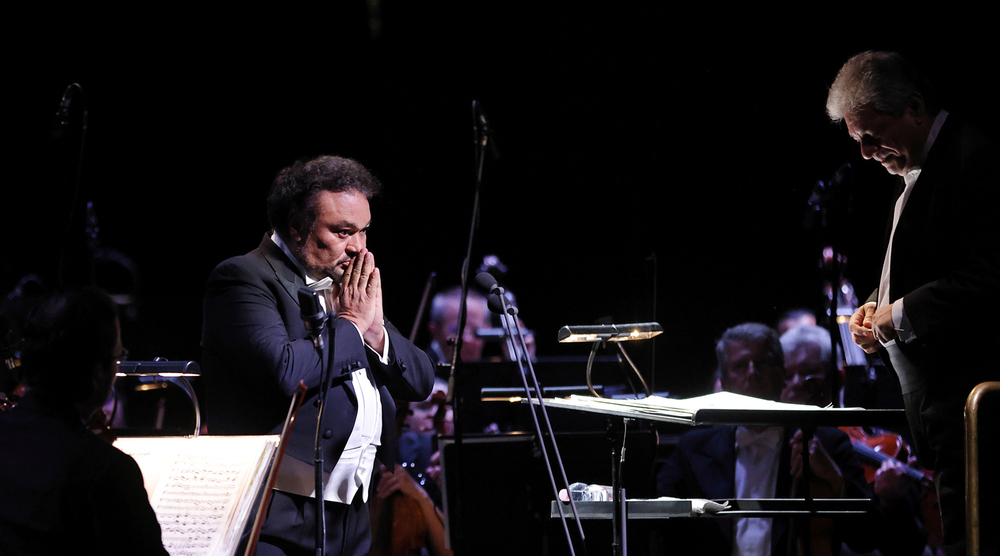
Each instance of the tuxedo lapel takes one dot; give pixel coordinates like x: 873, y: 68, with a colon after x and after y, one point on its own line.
x: 291, y: 281
x: 284, y: 269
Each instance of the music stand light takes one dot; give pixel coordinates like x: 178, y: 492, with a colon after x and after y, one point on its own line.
x: 610, y: 332
x: 600, y: 333
x: 176, y: 372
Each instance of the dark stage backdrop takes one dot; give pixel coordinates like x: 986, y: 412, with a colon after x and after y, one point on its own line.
x: 650, y: 168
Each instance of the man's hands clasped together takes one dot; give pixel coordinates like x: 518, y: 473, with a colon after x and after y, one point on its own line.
x: 870, y: 328
x: 359, y: 299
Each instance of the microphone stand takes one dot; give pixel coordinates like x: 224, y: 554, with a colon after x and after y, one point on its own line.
x: 326, y: 381
x: 324, y: 378
x: 481, y: 141
x: 481, y: 138
x: 73, y: 181
x: 510, y: 312
x: 316, y: 322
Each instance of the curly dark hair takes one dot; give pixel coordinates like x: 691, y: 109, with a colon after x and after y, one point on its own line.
x: 295, y: 187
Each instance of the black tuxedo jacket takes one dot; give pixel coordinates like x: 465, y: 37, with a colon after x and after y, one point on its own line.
x: 256, y: 350
x: 946, y: 261
x: 703, y: 465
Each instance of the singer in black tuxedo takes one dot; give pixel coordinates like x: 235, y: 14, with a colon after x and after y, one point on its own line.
x: 256, y: 347
x: 935, y: 315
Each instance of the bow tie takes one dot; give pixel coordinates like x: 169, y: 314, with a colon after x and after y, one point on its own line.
x: 324, y: 288
x: 768, y: 438
x: 322, y: 285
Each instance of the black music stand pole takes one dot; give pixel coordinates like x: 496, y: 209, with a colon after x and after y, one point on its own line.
x: 619, y: 543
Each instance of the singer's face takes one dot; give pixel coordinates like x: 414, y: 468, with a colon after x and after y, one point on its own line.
x: 751, y: 371
x: 338, y: 233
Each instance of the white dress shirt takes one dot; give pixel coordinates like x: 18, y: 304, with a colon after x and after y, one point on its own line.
x: 757, y: 459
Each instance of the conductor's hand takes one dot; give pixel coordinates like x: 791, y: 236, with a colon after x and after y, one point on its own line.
x: 360, y: 298
x: 861, y: 328
x: 882, y: 325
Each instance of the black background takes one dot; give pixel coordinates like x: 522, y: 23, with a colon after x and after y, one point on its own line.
x: 652, y: 166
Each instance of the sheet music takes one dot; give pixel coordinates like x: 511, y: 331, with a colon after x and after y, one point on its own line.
x: 686, y: 408
x: 199, y: 487
x: 726, y: 408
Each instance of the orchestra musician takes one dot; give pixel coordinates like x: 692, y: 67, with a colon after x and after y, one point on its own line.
x: 64, y: 489
x: 406, y: 511
x: 443, y: 327
x: 256, y: 350
x: 939, y: 293
x: 812, y: 379
x: 727, y: 462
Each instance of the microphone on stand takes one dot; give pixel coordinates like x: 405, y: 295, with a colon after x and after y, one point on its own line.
x: 821, y: 196
x: 60, y: 123
x: 496, y: 306
x: 314, y: 318
x: 499, y: 304
x: 484, y: 133
x: 486, y: 281
x: 312, y: 315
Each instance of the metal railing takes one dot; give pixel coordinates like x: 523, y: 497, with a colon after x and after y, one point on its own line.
x: 984, y: 393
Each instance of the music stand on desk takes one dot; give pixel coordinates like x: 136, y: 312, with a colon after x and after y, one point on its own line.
x: 798, y: 417
x: 725, y: 408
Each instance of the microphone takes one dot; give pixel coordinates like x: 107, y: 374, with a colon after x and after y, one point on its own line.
x: 60, y: 123
x: 496, y: 306
x: 823, y: 190
x: 486, y: 281
x: 822, y: 195
x: 484, y: 133
x: 312, y: 315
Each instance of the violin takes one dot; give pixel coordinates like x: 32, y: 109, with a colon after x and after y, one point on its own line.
x: 875, y: 446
